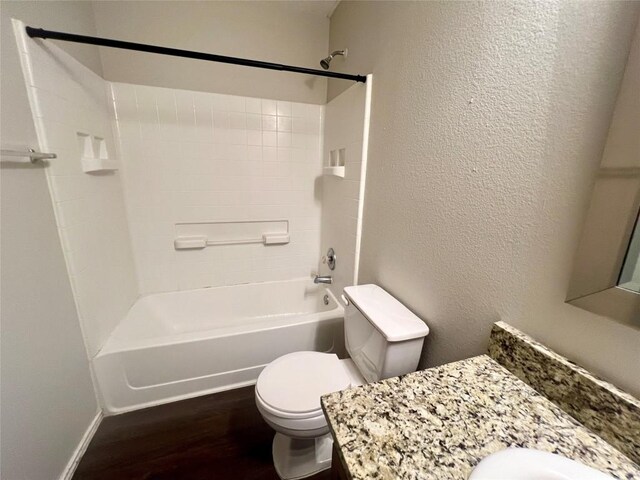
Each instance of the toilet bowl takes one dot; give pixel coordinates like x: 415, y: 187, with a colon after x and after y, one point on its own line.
x: 289, y: 389
x: 288, y: 397
x: 383, y: 338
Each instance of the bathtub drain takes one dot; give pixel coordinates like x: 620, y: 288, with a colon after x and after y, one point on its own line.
x: 326, y: 299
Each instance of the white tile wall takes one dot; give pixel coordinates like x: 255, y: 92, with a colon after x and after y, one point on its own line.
x: 344, y: 128
x: 188, y: 157
x: 67, y: 98
x: 200, y: 157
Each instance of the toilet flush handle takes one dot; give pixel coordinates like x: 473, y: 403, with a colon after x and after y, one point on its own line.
x: 345, y: 300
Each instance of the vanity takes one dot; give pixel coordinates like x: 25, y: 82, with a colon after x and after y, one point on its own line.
x: 441, y: 422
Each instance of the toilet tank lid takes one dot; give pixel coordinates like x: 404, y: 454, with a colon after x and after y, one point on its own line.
x: 395, y: 321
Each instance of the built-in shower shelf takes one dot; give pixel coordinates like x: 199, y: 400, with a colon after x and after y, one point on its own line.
x: 335, y: 171
x: 195, y: 236
x: 336, y: 163
x: 98, y: 164
x: 95, y: 157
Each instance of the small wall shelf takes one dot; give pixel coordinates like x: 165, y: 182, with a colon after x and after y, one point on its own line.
x: 195, y: 236
x: 335, y: 171
x: 337, y: 160
x: 92, y: 162
x: 98, y: 165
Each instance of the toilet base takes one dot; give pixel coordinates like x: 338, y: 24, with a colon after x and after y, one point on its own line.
x: 296, y: 458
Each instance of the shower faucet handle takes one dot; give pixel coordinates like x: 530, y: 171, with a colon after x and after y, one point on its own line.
x: 330, y: 259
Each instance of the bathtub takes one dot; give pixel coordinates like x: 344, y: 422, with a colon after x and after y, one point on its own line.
x: 178, y: 345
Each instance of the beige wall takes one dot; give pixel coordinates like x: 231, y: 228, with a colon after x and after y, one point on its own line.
x: 279, y: 32
x: 47, y: 396
x: 488, y: 125
x: 61, y: 15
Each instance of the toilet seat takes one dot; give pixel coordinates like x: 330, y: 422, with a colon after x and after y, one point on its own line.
x: 291, y: 386
x: 309, y: 427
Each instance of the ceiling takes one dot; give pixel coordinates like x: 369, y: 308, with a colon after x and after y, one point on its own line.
x: 318, y: 8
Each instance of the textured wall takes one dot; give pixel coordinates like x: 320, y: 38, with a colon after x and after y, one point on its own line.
x: 280, y: 32
x: 488, y: 124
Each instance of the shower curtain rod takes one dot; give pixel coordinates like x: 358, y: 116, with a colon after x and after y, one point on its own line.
x: 141, y: 47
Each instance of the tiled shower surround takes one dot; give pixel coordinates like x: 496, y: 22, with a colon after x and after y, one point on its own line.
x: 344, y: 129
x: 67, y: 98
x: 203, y: 157
x: 176, y: 157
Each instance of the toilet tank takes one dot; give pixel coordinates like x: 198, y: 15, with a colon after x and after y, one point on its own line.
x: 383, y: 337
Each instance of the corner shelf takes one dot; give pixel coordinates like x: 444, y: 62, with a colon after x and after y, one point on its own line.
x: 98, y: 165
x: 335, y: 171
x: 336, y: 163
x: 89, y: 160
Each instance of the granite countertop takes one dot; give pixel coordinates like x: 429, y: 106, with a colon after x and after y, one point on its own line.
x: 439, y: 423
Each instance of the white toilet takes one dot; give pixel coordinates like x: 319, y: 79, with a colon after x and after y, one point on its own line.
x: 383, y: 338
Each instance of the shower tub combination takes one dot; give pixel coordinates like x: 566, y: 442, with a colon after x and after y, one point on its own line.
x: 178, y: 345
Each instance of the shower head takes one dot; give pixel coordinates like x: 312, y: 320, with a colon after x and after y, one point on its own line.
x: 324, y: 63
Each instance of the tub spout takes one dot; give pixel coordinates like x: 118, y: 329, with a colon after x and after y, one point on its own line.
x: 324, y: 279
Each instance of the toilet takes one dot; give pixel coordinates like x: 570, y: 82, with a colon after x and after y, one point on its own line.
x: 383, y: 338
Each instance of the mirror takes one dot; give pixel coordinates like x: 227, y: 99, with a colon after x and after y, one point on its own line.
x: 630, y: 275
x: 606, y: 275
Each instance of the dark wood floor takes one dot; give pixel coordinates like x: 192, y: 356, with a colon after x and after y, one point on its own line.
x: 220, y: 436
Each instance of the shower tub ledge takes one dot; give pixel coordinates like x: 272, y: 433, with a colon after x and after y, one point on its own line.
x: 177, y: 345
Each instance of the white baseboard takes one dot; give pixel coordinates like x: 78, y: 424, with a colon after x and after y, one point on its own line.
x: 70, y: 469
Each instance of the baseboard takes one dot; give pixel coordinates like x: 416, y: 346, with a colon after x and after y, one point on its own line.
x: 70, y: 469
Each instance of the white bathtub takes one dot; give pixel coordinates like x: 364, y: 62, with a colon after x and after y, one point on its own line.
x: 183, y: 344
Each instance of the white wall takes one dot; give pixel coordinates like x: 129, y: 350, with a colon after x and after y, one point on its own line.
x: 279, y: 32
x: 47, y: 398
x: 66, y: 99
x: 192, y: 157
x: 344, y: 129
x: 488, y: 124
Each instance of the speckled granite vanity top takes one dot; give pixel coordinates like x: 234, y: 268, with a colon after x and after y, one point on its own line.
x: 439, y: 423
